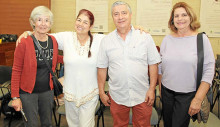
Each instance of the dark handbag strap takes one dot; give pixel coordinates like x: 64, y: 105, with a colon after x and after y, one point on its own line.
x: 43, y: 55
x: 200, y: 54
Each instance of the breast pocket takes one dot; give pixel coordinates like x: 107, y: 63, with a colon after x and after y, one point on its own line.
x: 139, y: 54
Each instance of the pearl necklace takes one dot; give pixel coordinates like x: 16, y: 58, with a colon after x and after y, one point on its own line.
x: 41, y: 45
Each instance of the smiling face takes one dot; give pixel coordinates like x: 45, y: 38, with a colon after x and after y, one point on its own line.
x: 121, y: 16
x: 42, y: 24
x: 181, y: 19
x: 82, y: 24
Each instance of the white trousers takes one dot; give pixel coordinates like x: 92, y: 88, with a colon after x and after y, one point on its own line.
x: 83, y: 116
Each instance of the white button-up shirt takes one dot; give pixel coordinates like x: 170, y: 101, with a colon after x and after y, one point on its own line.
x: 128, y: 65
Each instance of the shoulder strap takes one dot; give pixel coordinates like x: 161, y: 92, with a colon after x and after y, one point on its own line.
x: 43, y: 55
x: 200, y: 54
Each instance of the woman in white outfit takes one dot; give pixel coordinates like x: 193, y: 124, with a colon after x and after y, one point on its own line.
x: 80, y: 50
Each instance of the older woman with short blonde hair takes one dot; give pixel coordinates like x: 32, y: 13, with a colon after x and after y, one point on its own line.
x: 31, y: 83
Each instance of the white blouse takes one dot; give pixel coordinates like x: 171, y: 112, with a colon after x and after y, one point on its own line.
x: 80, y: 82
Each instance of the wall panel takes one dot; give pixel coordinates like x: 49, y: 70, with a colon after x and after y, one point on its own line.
x: 15, y: 15
x: 66, y: 18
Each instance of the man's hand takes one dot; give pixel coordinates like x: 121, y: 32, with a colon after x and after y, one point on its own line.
x: 150, y: 96
x: 24, y: 35
x: 105, y: 99
x: 16, y: 104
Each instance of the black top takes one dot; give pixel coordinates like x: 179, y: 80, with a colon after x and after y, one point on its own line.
x: 43, y: 74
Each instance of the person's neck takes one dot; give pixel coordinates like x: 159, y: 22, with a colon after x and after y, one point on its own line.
x: 82, y: 38
x: 185, y: 32
x: 123, y: 32
x: 40, y: 37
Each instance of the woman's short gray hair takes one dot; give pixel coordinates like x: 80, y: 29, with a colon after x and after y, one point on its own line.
x: 121, y: 3
x: 39, y: 11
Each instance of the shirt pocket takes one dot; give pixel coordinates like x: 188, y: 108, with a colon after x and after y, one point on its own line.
x: 139, y: 54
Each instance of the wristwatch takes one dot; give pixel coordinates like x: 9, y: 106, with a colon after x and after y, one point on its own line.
x: 14, y: 98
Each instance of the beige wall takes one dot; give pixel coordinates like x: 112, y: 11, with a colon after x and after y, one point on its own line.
x: 64, y: 17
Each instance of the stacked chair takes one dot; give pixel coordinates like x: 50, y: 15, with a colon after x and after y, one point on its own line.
x: 5, y: 98
x: 5, y: 82
x: 5, y: 94
x: 216, y: 83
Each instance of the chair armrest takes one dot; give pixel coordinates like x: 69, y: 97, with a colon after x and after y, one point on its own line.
x: 6, y: 84
x: 5, y: 89
x: 217, y: 81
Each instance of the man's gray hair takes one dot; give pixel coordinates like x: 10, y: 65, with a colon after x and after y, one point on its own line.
x: 121, y: 3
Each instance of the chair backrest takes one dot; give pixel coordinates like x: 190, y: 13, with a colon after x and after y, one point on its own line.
x: 218, y: 56
x: 5, y: 80
x: 5, y: 73
x: 217, y: 63
x: 61, y: 72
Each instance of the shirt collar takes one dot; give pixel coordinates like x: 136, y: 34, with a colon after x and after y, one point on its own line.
x: 129, y: 33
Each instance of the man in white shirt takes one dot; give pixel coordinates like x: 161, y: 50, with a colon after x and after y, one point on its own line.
x: 127, y: 54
